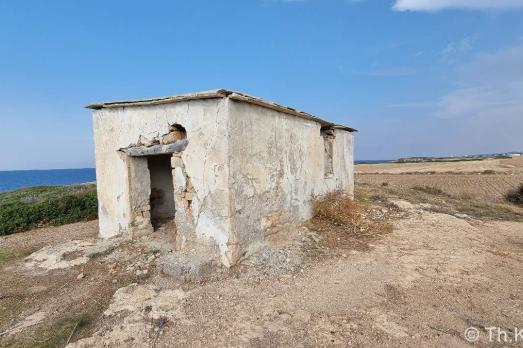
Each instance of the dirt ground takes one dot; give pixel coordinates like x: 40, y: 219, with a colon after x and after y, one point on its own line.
x: 437, y: 273
x: 487, y: 181
x: 484, y: 187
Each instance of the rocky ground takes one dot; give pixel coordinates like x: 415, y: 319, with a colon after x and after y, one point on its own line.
x: 422, y: 283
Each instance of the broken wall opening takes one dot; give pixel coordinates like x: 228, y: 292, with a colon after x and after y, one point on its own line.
x: 159, y: 189
x: 162, y: 189
x: 328, y: 145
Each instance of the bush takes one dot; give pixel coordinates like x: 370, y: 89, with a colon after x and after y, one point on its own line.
x: 35, y: 207
x: 515, y: 196
x: 347, y: 224
x: 338, y: 209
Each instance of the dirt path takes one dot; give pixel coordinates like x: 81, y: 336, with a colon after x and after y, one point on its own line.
x: 422, y: 285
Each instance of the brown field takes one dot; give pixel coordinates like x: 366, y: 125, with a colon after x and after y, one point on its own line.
x: 488, y: 188
x: 500, y: 166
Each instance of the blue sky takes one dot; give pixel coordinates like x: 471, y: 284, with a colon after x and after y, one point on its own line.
x: 416, y: 77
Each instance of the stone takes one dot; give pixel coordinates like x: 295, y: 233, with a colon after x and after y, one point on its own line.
x: 145, y: 141
x: 173, y: 136
x: 80, y: 276
x: 189, y: 196
x: 176, y: 162
x: 180, y: 182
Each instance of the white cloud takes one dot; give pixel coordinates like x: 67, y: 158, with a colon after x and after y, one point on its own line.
x: 436, y: 5
x: 485, y: 110
x: 482, y: 113
x: 491, y: 85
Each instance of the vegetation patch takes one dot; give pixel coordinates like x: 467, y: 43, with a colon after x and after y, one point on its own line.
x: 515, y: 196
x: 347, y: 223
x: 7, y: 255
x: 28, y: 208
x: 430, y: 190
x: 61, y: 333
x: 491, y: 212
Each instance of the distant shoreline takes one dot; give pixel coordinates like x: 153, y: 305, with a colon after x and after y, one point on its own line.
x: 18, y: 179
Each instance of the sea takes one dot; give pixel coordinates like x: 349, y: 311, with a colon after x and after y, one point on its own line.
x: 17, y: 179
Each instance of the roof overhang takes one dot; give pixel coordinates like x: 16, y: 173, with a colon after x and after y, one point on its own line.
x: 220, y: 93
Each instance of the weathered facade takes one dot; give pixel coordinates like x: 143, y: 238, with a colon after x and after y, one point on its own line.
x: 226, y: 167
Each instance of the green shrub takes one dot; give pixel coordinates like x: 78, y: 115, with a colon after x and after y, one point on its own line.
x: 515, y: 196
x: 40, y: 206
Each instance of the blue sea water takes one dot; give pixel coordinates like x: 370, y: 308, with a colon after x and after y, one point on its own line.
x: 16, y: 179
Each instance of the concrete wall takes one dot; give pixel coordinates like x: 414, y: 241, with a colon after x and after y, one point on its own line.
x: 123, y: 210
x: 246, y: 172
x: 277, y: 166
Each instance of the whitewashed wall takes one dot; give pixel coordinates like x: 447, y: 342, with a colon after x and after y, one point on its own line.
x: 276, y: 167
x: 253, y: 169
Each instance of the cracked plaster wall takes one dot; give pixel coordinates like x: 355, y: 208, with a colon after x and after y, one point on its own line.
x: 204, y: 162
x: 248, y: 170
x: 277, y: 166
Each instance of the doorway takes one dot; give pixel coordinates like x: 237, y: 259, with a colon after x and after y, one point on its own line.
x: 162, y: 189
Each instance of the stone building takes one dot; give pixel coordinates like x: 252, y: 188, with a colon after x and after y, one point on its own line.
x: 221, y: 167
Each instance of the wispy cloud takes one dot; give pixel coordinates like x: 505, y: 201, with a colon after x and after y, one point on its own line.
x: 436, y: 5
x: 417, y: 104
x: 491, y: 85
x: 453, y: 51
x: 388, y: 71
x: 483, y: 113
x: 486, y: 108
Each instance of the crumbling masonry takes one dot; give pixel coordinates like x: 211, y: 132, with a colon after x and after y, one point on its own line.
x: 216, y: 167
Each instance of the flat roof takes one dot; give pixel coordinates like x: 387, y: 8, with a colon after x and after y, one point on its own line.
x: 220, y: 93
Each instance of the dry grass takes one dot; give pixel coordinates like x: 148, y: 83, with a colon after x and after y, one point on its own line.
x: 441, y: 201
x: 488, y: 166
x: 483, y: 188
x: 515, y: 196
x: 430, y: 190
x: 349, y: 224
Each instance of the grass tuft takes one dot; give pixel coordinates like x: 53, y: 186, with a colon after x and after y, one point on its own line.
x: 61, y: 332
x: 338, y: 209
x: 347, y: 223
x: 515, y: 196
x: 430, y: 190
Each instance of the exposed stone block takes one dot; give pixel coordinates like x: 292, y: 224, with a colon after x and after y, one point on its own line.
x: 176, y: 162
x: 180, y: 182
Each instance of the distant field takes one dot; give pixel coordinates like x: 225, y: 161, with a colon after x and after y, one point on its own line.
x: 488, y: 166
x: 490, y: 188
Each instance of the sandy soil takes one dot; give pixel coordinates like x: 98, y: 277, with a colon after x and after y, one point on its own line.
x: 504, y: 166
x: 421, y: 285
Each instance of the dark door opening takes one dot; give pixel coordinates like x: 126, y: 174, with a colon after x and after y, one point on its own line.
x: 162, y: 189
